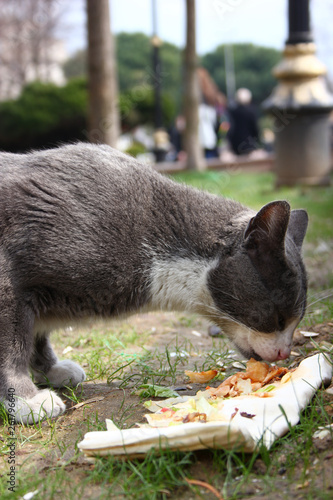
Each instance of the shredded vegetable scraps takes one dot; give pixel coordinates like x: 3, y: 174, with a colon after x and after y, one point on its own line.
x: 255, y: 377
x: 206, y: 406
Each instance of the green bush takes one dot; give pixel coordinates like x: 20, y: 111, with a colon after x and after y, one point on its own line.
x: 44, y: 115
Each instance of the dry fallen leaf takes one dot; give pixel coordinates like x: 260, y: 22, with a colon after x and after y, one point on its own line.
x: 302, y: 485
x: 201, y: 377
x: 92, y: 400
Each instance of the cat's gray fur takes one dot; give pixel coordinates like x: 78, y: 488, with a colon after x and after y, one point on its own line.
x: 88, y: 231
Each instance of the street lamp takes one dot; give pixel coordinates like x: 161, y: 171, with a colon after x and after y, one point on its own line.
x: 301, y: 104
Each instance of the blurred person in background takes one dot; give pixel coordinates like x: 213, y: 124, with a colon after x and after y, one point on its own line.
x: 211, y: 107
x: 243, y: 134
x: 208, y: 127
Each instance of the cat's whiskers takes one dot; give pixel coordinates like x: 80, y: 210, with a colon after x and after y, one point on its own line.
x: 223, y: 292
x: 321, y: 298
x: 299, y: 303
x: 219, y: 317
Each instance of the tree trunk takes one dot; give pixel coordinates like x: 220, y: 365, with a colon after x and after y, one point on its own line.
x: 103, y: 92
x: 195, y: 159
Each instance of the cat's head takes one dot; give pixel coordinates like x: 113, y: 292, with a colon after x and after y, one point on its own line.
x: 259, y: 287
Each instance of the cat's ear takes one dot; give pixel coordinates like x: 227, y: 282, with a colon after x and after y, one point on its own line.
x: 297, y: 226
x: 266, y: 231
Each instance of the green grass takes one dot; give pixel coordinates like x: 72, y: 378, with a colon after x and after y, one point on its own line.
x: 154, y: 477
x: 163, y: 475
x: 255, y: 190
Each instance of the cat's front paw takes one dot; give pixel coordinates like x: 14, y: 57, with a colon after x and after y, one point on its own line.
x: 63, y: 373
x: 45, y: 404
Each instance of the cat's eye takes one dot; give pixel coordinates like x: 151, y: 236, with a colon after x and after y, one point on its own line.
x: 281, y: 323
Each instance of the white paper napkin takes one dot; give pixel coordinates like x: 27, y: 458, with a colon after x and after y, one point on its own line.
x: 272, y: 418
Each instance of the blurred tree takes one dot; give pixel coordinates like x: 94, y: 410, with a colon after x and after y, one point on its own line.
x: 134, y: 60
x: 133, y: 52
x: 253, y: 66
x: 28, y: 46
x: 76, y: 65
x: 102, y: 75
x: 195, y: 160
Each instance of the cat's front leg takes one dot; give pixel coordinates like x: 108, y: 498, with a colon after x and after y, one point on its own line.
x: 47, y: 369
x: 21, y: 398
x: 29, y: 410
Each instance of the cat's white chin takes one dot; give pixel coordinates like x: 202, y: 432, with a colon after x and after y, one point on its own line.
x: 267, y: 346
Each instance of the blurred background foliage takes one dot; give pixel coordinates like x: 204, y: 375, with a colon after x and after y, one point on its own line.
x: 45, y: 115
x: 253, y: 68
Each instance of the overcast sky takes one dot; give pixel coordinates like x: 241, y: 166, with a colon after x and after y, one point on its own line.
x: 262, y: 22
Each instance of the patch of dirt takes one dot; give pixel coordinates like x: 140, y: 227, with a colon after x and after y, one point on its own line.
x: 105, y: 400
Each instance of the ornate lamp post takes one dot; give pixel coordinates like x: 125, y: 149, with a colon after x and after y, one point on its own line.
x: 301, y: 104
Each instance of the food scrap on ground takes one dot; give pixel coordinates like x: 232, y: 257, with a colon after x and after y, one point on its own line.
x: 201, y: 377
x: 257, y: 375
x: 155, y: 391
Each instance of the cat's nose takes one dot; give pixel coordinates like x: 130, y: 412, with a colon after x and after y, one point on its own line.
x: 283, y: 353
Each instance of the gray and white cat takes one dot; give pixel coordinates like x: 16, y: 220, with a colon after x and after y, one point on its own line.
x: 86, y: 231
